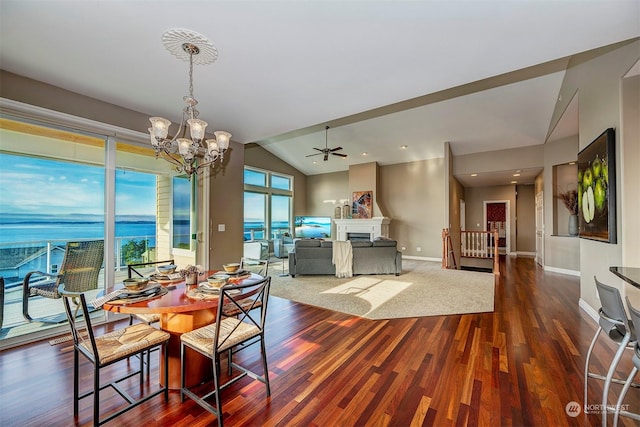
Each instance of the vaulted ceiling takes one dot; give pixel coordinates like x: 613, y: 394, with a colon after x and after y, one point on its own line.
x: 483, y: 75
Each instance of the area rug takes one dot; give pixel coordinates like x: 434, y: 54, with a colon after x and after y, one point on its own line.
x: 423, y: 289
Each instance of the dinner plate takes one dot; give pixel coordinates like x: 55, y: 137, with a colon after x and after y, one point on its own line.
x: 238, y: 273
x: 127, y: 293
x: 163, y: 278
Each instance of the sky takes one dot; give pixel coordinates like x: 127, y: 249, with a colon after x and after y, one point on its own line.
x: 31, y: 185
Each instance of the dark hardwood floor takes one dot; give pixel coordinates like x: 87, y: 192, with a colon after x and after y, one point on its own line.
x: 518, y: 366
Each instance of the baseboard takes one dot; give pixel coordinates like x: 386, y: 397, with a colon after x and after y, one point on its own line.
x: 526, y: 254
x: 589, y: 310
x: 422, y: 258
x: 562, y: 271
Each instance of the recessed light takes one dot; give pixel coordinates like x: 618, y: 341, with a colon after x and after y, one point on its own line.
x: 365, y: 153
x: 514, y: 182
x: 344, y: 158
x: 572, y: 163
x: 315, y: 162
x: 404, y: 147
x: 474, y: 174
x: 516, y: 174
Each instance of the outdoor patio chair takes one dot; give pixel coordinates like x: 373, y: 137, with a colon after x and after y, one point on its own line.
x: 107, y: 349
x: 228, y: 334
x: 79, y: 272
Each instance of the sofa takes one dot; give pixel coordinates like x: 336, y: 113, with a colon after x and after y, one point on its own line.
x: 314, y: 256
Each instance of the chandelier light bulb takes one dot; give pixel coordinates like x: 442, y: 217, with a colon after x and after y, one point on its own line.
x: 222, y: 138
x: 184, y: 148
x: 197, y: 128
x: 160, y: 127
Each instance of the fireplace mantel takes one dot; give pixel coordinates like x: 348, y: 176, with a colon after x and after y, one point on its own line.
x: 375, y: 227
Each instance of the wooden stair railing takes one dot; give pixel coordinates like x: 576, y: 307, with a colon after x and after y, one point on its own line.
x: 473, y: 244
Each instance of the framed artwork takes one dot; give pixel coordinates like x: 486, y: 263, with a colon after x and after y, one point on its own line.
x: 597, y: 189
x: 361, y: 204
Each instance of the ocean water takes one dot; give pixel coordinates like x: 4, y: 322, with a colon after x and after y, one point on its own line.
x: 24, y: 232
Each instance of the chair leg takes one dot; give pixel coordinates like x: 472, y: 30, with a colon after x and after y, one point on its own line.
x: 216, y: 383
x: 96, y: 394
x: 586, y: 365
x: 181, y: 372
x: 264, y: 365
x: 76, y: 380
x: 141, y: 356
x: 610, y: 374
x: 165, y: 351
x: 230, y: 360
x: 623, y: 393
x: 25, y: 305
x: 148, y: 363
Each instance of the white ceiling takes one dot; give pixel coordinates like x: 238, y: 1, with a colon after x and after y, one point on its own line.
x: 381, y: 74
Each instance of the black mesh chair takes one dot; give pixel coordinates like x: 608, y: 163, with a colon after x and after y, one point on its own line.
x: 79, y: 272
x: 617, y: 327
x: 107, y: 349
x: 230, y: 335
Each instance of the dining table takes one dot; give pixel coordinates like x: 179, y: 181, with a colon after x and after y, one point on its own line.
x: 630, y: 275
x: 180, y: 311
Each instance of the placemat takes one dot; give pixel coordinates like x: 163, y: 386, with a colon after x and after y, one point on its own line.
x: 124, y: 301
x: 197, y: 293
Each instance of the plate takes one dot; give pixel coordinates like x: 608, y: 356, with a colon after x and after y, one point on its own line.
x: 238, y: 273
x: 126, y: 293
x: 162, y: 278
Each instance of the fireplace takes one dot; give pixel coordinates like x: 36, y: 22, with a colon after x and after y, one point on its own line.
x: 359, y: 236
x: 372, y: 228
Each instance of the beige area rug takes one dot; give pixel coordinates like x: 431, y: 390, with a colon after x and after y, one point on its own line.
x: 423, y: 289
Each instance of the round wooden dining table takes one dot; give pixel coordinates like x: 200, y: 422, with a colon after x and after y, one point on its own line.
x: 180, y: 313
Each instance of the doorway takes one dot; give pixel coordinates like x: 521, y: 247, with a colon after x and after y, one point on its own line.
x: 539, y: 229
x: 496, y: 217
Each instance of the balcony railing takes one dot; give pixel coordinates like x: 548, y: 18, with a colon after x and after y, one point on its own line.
x: 48, y: 259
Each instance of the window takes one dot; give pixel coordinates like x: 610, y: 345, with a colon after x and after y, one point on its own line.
x: 181, y: 218
x: 268, y: 206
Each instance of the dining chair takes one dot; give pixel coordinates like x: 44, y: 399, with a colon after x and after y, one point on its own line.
x: 227, y: 335
x: 614, y: 322
x: 150, y: 318
x: 107, y: 349
x: 258, y: 266
x: 635, y: 321
x: 79, y: 272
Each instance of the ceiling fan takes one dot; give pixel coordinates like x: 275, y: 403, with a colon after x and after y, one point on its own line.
x: 326, y: 150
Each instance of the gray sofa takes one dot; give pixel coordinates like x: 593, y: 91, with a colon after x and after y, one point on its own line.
x: 313, y: 256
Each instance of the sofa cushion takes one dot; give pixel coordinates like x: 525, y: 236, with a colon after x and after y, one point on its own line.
x: 385, y: 243
x: 326, y: 244
x: 308, y: 243
x: 361, y: 244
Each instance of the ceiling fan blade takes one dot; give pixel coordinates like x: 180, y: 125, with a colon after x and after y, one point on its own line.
x: 335, y: 149
x: 340, y: 155
x: 319, y: 149
x: 310, y: 155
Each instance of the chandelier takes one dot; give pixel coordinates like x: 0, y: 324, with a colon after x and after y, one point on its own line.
x: 183, y: 152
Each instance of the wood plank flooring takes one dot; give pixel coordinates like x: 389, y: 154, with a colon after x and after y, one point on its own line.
x: 518, y: 366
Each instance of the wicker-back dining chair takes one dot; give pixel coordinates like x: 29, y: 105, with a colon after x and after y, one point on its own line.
x: 79, y: 272
x: 107, y: 349
x: 228, y: 335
